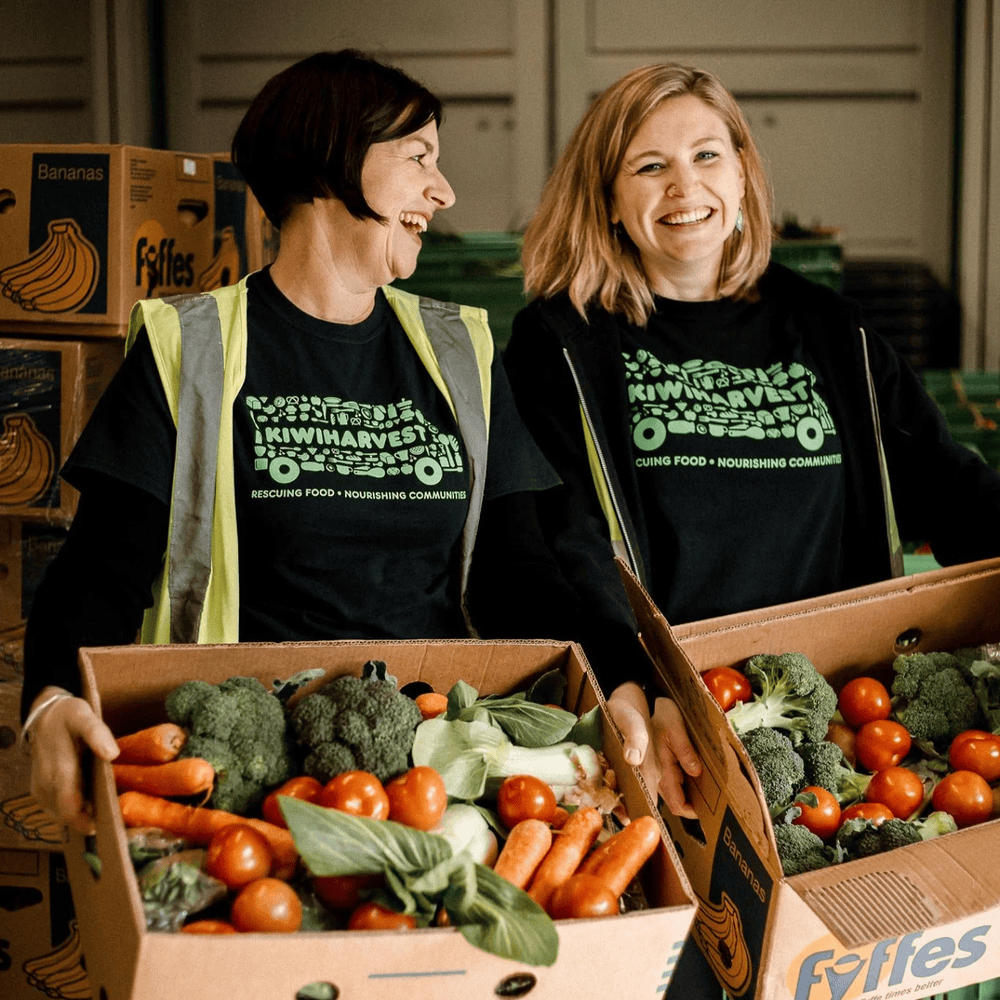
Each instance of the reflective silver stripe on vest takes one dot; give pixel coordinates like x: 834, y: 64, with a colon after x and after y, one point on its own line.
x: 199, y: 412
x: 456, y: 357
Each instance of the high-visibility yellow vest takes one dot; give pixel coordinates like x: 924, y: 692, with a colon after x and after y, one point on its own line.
x: 199, y: 344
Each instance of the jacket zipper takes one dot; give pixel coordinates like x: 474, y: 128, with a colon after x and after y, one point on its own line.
x: 604, y: 466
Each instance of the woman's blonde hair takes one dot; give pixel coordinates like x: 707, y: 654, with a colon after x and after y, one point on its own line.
x: 570, y: 244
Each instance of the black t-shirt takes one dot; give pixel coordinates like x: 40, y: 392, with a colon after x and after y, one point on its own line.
x: 737, y: 458
x: 352, y: 483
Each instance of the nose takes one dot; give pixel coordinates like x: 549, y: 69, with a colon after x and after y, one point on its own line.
x: 680, y: 181
x: 440, y: 191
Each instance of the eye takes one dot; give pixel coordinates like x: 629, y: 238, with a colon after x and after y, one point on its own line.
x: 650, y: 168
x: 705, y: 155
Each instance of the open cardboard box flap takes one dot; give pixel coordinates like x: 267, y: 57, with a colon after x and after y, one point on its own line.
x: 929, y: 885
x: 633, y: 953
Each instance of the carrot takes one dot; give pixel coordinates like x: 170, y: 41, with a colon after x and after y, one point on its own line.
x: 153, y: 745
x: 568, y: 848
x: 618, y: 860
x: 189, y: 776
x: 431, y: 704
x: 196, y: 824
x: 528, y: 842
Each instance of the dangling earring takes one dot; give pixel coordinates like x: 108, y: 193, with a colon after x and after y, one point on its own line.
x: 739, y: 220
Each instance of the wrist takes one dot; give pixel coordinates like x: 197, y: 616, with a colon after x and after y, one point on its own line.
x: 46, y: 700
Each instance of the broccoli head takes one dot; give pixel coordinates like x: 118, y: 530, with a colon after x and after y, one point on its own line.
x: 800, y: 850
x: 789, y: 694
x: 932, y: 698
x: 983, y: 674
x: 826, y: 766
x: 779, y: 768
x: 861, y: 838
x: 241, y: 729
x: 355, y: 723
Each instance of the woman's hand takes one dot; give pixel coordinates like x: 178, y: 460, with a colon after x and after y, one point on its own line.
x: 58, y: 738
x: 673, y: 754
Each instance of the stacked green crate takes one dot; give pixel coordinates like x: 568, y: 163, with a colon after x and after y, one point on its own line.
x: 475, y: 269
x: 820, y: 260
x: 970, y: 402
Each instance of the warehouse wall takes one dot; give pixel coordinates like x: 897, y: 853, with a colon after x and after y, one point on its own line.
x: 851, y: 100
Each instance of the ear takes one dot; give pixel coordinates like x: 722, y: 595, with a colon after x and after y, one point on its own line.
x: 613, y: 213
x: 743, y: 178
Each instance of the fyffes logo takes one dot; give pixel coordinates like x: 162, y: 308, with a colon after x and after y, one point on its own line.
x: 829, y: 973
x: 158, y: 264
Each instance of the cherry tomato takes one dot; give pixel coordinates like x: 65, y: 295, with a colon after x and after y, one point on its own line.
x: 845, y: 738
x: 976, y: 750
x: 874, y: 811
x: 862, y: 700
x: 372, y: 917
x: 966, y: 795
x: 727, y: 686
x: 356, y: 792
x: 523, y: 796
x: 238, y: 854
x: 898, y: 788
x: 823, y: 819
x: 268, y: 905
x: 582, y: 896
x: 417, y: 798
x: 301, y: 787
x: 343, y: 892
x: 208, y: 927
x: 881, y: 743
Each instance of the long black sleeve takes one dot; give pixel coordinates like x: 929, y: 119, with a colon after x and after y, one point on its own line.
x: 96, y: 589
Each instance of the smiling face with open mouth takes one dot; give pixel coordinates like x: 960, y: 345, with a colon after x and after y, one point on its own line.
x: 401, y: 181
x: 677, y: 194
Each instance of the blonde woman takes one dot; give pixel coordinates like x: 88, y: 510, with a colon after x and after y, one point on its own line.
x: 708, y: 412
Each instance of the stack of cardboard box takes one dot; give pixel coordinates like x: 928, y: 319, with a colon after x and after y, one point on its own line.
x: 85, y: 231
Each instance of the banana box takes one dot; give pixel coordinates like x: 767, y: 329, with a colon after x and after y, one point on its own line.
x: 26, y: 549
x: 48, y: 389
x: 87, y: 230
x: 244, y: 240
x: 911, y: 922
x: 40, y: 952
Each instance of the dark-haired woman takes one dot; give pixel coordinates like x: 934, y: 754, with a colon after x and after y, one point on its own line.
x: 309, y: 454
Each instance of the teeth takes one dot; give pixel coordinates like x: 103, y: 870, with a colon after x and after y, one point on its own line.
x: 414, y: 220
x: 686, y: 218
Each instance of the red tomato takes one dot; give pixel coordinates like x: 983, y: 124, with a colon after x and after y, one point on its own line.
x: 862, y: 700
x: 823, y: 819
x: 727, y: 686
x: 372, y: 917
x: 208, y: 927
x: 302, y: 787
x: 523, y: 796
x: 417, y: 798
x: 268, y: 905
x: 356, y: 792
x: 898, y: 788
x: 343, y: 892
x: 238, y: 854
x: 845, y: 738
x: 976, y: 750
x: 874, y: 811
x: 966, y: 795
x: 881, y: 743
x: 582, y: 896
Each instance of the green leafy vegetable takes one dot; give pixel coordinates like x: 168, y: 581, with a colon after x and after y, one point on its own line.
x: 421, y: 873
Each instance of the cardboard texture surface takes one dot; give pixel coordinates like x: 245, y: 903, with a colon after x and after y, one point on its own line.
x: 627, y: 955
x: 48, y: 390
x: 914, y: 921
x: 26, y: 549
x: 40, y: 952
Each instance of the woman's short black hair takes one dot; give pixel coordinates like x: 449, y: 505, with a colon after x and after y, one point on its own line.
x: 307, y: 132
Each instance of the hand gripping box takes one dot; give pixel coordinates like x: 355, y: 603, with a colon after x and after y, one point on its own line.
x: 86, y: 230
x: 630, y: 954
x: 914, y: 921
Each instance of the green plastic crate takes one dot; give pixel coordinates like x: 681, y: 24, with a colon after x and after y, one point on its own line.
x: 820, y: 260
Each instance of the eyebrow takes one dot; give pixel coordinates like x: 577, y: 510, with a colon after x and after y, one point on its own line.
x: 426, y: 143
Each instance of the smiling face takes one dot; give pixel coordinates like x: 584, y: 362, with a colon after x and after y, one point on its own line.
x: 401, y: 181
x: 677, y: 194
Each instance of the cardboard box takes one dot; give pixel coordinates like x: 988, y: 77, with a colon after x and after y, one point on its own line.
x: 48, y: 390
x: 915, y: 921
x: 26, y: 550
x: 89, y: 229
x: 40, y: 951
x: 628, y: 955
x: 240, y: 227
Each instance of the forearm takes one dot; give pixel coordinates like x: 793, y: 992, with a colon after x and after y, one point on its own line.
x: 97, y: 587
